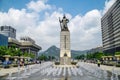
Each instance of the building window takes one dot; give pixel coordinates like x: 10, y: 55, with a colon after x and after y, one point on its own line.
x: 2, y: 28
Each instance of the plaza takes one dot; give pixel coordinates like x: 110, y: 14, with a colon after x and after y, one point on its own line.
x: 46, y: 71
x: 89, y: 42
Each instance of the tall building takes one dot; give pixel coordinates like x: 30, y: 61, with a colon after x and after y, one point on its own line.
x: 3, y: 40
x: 8, y: 31
x: 110, y: 24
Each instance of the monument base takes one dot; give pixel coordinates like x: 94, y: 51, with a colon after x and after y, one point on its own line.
x: 65, y: 61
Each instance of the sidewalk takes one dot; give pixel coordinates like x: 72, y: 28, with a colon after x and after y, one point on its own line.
x: 4, y: 72
x: 108, y: 68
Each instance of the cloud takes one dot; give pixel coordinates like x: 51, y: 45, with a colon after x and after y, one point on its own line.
x: 108, y: 4
x: 38, y: 5
x: 19, y: 19
x: 86, y: 30
x: 45, y: 29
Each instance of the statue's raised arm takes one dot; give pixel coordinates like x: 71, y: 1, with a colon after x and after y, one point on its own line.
x: 63, y: 23
x: 60, y: 23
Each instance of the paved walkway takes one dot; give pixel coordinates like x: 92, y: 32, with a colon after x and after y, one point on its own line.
x: 64, y: 65
x: 108, y: 68
x: 4, y: 72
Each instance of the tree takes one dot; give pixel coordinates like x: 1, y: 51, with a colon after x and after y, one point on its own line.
x: 117, y: 53
x: 53, y: 57
x: 26, y: 54
x: 80, y: 56
x: 3, y: 50
x: 49, y: 57
x: 32, y: 55
x: 42, y: 57
x: 96, y: 55
x: 89, y: 56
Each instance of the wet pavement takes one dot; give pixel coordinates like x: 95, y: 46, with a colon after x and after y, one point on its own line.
x: 47, y: 71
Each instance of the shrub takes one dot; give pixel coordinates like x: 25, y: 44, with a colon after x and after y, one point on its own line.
x: 15, y: 65
x: 30, y: 63
x: 117, y: 65
x: 109, y: 64
x: 1, y: 66
x: 57, y: 63
x: 73, y: 63
x: 7, y: 66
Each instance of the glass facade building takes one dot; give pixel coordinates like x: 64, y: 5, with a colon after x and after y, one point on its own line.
x: 3, y: 40
x: 110, y: 24
x: 8, y: 31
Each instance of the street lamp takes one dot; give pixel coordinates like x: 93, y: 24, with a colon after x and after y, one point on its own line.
x: 18, y: 63
x: 18, y: 59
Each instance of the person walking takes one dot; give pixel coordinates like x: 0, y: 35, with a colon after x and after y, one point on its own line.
x: 98, y: 63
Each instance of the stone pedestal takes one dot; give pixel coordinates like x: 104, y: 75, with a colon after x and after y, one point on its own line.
x: 65, y: 53
x: 65, y: 61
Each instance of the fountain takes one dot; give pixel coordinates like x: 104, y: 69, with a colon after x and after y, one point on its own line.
x: 47, y: 71
x: 114, y: 75
x: 10, y: 77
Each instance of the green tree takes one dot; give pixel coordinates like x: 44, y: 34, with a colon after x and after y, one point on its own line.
x: 26, y: 54
x: 32, y: 55
x: 53, y: 57
x: 80, y: 57
x: 96, y: 55
x: 89, y: 56
x: 117, y: 53
x: 3, y: 50
x: 42, y: 57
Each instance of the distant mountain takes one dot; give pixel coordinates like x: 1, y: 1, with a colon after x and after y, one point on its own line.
x: 54, y: 51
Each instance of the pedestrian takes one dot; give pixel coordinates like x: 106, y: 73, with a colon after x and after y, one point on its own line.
x: 98, y: 63
x: 40, y: 62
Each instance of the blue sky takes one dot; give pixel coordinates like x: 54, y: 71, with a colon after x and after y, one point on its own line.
x: 69, y: 6
x: 6, y: 4
x: 78, y: 6
x: 39, y: 19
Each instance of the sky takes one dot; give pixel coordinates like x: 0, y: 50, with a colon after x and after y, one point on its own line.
x: 39, y: 19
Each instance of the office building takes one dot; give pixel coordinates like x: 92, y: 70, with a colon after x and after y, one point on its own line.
x: 13, y: 42
x: 8, y: 31
x: 110, y: 24
x: 28, y: 45
x: 3, y: 40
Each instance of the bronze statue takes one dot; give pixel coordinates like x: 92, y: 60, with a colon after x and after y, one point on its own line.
x: 63, y: 23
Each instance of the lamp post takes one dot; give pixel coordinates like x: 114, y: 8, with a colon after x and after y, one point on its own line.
x: 113, y: 70
x: 18, y: 60
x: 18, y: 75
x: 114, y: 59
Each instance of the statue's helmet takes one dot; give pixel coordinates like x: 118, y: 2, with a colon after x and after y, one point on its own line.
x: 64, y: 16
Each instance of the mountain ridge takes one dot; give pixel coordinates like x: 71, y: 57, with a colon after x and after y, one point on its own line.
x: 55, y: 51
